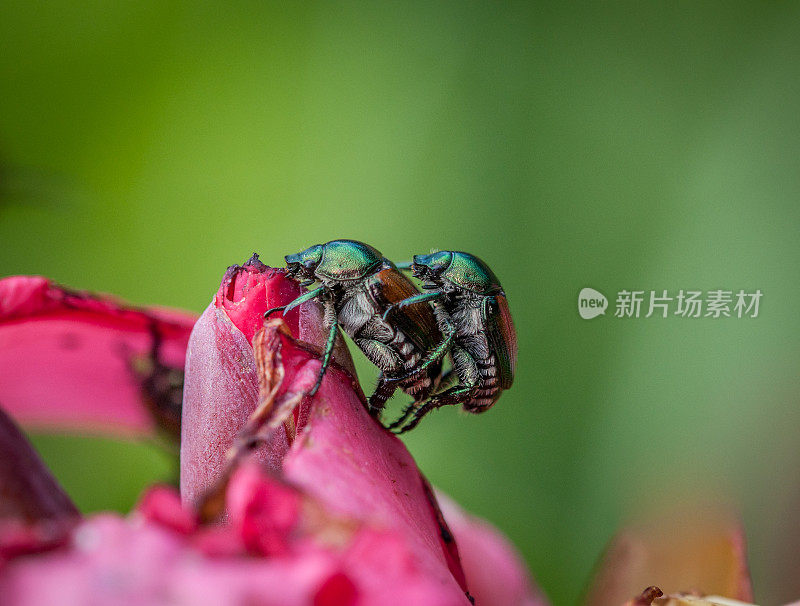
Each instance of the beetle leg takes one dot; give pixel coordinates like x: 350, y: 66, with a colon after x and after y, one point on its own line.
x: 403, y: 417
x: 388, y: 361
x: 420, y: 298
x: 437, y: 353
x: 381, y: 355
x: 448, y: 380
x: 329, y: 320
x: 307, y: 296
x: 445, y: 382
x: 404, y: 265
x: 382, y: 392
x: 454, y: 395
x: 434, y: 355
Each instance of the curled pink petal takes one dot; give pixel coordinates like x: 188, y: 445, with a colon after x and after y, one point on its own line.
x: 71, y: 360
x: 249, y: 290
x: 496, y: 574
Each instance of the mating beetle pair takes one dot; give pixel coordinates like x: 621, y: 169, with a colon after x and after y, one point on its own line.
x: 390, y: 320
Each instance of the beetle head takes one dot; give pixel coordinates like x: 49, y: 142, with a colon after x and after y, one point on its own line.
x: 429, y: 268
x: 302, y: 265
x: 454, y: 270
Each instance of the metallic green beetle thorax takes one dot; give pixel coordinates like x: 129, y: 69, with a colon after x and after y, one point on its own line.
x: 348, y: 260
x: 469, y: 272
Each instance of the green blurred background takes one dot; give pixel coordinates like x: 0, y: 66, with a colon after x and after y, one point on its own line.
x: 145, y: 146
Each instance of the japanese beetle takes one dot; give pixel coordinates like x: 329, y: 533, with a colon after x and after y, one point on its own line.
x: 473, y: 316
x: 357, y: 286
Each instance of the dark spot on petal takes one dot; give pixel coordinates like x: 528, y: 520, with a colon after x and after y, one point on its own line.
x: 69, y: 341
x: 161, y: 386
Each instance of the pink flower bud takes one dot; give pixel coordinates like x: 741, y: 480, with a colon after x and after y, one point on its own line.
x: 341, y: 456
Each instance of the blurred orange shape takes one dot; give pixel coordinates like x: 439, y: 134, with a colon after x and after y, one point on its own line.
x: 699, y: 551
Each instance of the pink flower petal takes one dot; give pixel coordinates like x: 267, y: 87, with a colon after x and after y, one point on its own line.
x: 19, y: 539
x: 71, y: 360
x: 220, y: 393
x: 142, y: 561
x: 162, y: 505
x: 353, y: 466
x: 336, y: 590
x: 264, y: 513
x: 496, y: 574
